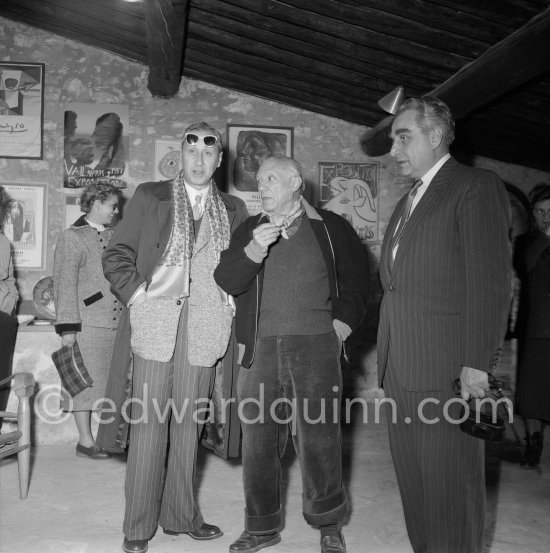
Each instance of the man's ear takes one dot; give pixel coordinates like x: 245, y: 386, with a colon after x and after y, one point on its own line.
x: 296, y: 183
x: 220, y: 156
x: 436, y: 136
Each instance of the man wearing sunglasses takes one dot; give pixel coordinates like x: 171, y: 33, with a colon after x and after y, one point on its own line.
x: 160, y: 263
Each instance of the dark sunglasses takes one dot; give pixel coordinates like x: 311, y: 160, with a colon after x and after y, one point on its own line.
x: 209, y: 140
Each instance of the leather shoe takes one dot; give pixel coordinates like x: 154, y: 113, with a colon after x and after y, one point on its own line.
x: 134, y: 546
x: 332, y: 542
x: 205, y: 532
x: 93, y: 452
x: 248, y: 543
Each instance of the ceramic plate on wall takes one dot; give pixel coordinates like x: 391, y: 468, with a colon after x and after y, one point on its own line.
x: 43, y: 298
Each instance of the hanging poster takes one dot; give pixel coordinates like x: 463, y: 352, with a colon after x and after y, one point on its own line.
x: 247, y: 147
x: 351, y: 190
x: 23, y: 223
x: 96, y: 144
x: 167, y: 159
x: 21, y: 109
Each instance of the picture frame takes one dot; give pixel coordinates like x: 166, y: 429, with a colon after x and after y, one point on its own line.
x: 350, y: 189
x: 167, y: 158
x: 25, y: 223
x: 247, y: 147
x: 96, y: 143
x: 21, y: 110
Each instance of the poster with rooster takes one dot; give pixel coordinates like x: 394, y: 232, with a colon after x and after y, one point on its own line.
x: 351, y: 190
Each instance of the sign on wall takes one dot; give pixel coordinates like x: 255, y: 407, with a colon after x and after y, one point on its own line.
x: 351, y: 190
x: 21, y: 109
x: 95, y: 144
x: 23, y: 224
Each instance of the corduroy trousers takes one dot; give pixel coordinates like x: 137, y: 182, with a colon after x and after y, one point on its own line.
x: 294, y: 384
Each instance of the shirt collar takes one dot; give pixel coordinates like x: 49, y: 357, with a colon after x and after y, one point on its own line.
x: 98, y: 227
x: 192, y: 193
x: 428, y: 177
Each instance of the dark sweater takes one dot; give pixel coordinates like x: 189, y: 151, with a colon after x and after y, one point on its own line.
x: 347, y: 267
x: 296, y: 293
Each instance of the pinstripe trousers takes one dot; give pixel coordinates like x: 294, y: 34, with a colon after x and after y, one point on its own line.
x: 167, y: 391
x: 440, y: 472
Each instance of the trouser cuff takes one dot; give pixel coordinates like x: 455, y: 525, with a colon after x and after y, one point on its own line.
x: 329, y: 510
x: 265, y: 524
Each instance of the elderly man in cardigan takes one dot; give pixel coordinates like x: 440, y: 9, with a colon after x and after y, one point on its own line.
x: 301, y: 278
x: 160, y: 263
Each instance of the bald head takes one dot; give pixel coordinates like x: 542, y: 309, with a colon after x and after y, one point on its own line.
x: 280, y: 184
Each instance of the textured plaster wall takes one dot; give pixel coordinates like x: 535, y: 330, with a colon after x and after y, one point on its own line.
x: 79, y: 73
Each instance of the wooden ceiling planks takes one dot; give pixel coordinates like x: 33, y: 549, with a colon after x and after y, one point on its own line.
x: 119, y: 32
x: 246, y: 31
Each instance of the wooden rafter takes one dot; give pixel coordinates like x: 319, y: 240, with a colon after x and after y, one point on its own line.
x: 166, y: 23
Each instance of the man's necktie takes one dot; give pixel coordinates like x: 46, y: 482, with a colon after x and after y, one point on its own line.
x: 197, y: 208
x: 406, y: 214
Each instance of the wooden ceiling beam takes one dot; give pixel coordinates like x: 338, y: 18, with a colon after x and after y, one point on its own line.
x: 508, y: 64
x: 166, y: 24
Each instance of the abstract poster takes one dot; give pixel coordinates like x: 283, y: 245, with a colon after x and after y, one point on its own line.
x: 96, y: 144
x: 21, y: 109
x: 351, y: 190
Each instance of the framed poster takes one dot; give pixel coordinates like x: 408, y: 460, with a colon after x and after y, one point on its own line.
x: 95, y: 144
x: 247, y: 147
x: 24, y: 223
x: 351, y: 190
x: 167, y: 159
x: 21, y: 109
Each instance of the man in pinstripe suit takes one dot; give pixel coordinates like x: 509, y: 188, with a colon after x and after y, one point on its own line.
x: 445, y: 271
x: 160, y: 263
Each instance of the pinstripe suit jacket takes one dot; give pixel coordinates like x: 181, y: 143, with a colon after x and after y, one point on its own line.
x: 447, y: 296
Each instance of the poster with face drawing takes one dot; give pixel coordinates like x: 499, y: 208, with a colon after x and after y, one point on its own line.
x: 167, y: 159
x: 351, y: 190
x: 247, y: 147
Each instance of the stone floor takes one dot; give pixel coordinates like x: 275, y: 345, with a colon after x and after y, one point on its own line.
x: 75, y: 505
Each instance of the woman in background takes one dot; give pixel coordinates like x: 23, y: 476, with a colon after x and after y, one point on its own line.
x: 86, y: 311
x: 8, y: 301
x: 532, y: 262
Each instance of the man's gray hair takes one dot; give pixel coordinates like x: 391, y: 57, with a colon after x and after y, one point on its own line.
x: 432, y: 113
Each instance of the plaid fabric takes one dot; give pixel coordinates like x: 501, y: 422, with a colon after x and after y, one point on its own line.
x: 70, y: 366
